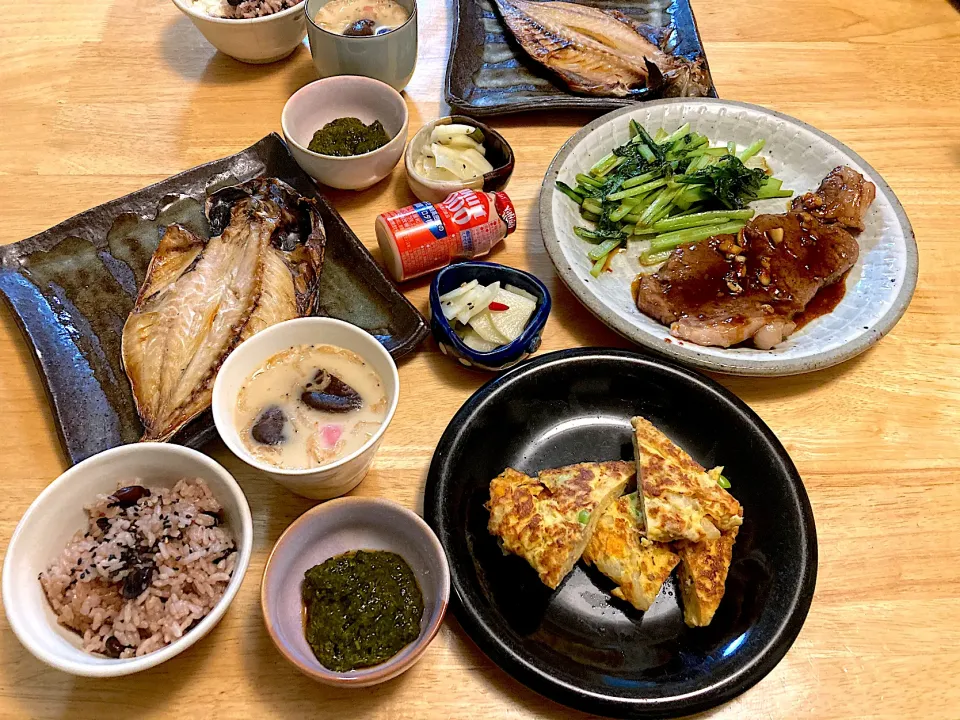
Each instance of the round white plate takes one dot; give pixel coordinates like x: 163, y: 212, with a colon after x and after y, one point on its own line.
x: 879, y: 286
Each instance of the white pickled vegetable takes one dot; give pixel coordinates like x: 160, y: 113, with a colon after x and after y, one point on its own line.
x: 457, y: 292
x: 455, y: 153
x: 477, y: 161
x: 482, y: 323
x: 478, y: 303
x: 443, y: 133
x: 452, y: 159
x: 473, y: 341
x: 511, y: 322
x: 520, y: 291
x: 462, y: 142
x: 427, y: 167
x: 490, y: 317
x: 453, y: 308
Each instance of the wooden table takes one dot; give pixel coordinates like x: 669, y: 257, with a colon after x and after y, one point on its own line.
x: 101, y: 98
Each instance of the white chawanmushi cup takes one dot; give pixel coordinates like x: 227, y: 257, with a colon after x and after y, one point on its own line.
x: 341, y: 475
x: 58, y: 513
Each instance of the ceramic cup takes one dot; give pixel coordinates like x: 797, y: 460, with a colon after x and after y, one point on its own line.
x: 390, y: 57
x: 341, y: 475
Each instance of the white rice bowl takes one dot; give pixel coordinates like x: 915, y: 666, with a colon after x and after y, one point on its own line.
x: 191, y: 588
x: 138, y: 577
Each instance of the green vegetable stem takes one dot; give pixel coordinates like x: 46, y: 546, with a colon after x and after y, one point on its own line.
x: 674, y: 187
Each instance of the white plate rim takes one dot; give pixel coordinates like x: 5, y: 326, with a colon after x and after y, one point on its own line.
x: 690, y: 355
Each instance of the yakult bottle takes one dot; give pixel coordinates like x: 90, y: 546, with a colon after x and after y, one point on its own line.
x: 425, y: 237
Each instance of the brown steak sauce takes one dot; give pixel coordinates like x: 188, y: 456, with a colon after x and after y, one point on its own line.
x: 823, y: 303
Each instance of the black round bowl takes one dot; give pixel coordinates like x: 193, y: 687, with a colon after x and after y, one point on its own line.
x: 579, y: 645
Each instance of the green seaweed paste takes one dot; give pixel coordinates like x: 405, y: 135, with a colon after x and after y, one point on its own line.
x: 348, y: 136
x: 362, y: 608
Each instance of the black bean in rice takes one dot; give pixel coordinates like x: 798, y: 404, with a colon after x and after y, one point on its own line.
x: 139, y: 577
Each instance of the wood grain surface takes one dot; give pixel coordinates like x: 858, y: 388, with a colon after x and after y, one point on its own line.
x: 101, y: 98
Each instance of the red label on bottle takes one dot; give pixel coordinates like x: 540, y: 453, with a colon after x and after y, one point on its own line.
x: 465, y: 225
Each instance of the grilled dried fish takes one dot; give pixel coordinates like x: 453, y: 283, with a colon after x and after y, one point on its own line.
x: 600, y: 52
x: 201, y: 298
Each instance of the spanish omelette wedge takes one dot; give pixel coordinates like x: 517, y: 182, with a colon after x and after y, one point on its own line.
x: 703, y: 574
x: 637, y: 565
x: 680, y: 500
x: 548, y: 520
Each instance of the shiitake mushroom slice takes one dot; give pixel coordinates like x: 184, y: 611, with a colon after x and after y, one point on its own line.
x: 329, y: 393
x: 268, y: 429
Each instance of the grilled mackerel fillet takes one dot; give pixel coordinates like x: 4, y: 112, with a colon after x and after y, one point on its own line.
x: 201, y: 298
x: 599, y: 52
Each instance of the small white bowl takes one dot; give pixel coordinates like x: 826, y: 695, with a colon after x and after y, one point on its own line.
x: 333, y: 528
x: 337, y: 477
x: 314, y: 105
x: 255, y: 40
x: 57, y: 514
x: 499, y: 154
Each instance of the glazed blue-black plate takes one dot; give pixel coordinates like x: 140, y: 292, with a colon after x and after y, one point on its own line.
x: 579, y: 645
x: 489, y: 74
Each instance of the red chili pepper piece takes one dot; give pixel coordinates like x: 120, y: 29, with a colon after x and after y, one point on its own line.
x: 497, y: 307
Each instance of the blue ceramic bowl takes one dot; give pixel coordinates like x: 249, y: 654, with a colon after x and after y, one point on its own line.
x: 485, y: 273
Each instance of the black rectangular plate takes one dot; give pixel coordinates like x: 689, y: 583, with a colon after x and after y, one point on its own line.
x: 489, y: 74
x: 72, y: 287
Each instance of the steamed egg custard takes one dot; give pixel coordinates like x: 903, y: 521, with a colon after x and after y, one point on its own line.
x: 309, y: 406
x: 361, y: 17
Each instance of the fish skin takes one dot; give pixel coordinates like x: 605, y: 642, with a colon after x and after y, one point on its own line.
x: 598, y: 52
x: 202, y: 298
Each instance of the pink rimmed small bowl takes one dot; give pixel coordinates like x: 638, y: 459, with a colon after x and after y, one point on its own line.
x: 333, y: 528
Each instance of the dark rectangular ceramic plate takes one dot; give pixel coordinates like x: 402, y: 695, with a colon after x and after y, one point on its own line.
x: 489, y: 74
x: 72, y: 286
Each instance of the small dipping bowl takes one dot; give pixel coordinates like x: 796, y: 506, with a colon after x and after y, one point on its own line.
x: 390, y: 57
x: 322, y: 101
x: 251, y: 40
x: 57, y: 514
x: 499, y: 154
x: 334, y: 478
x: 453, y: 276
x: 333, y: 528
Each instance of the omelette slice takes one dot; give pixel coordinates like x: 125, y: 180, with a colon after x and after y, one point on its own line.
x: 703, y: 574
x: 638, y: 566
x: 548, y: 520
x: 680, y: 500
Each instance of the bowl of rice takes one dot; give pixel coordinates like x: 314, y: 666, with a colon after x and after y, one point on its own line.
x: 251, y: 31
x: 127, y: 559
